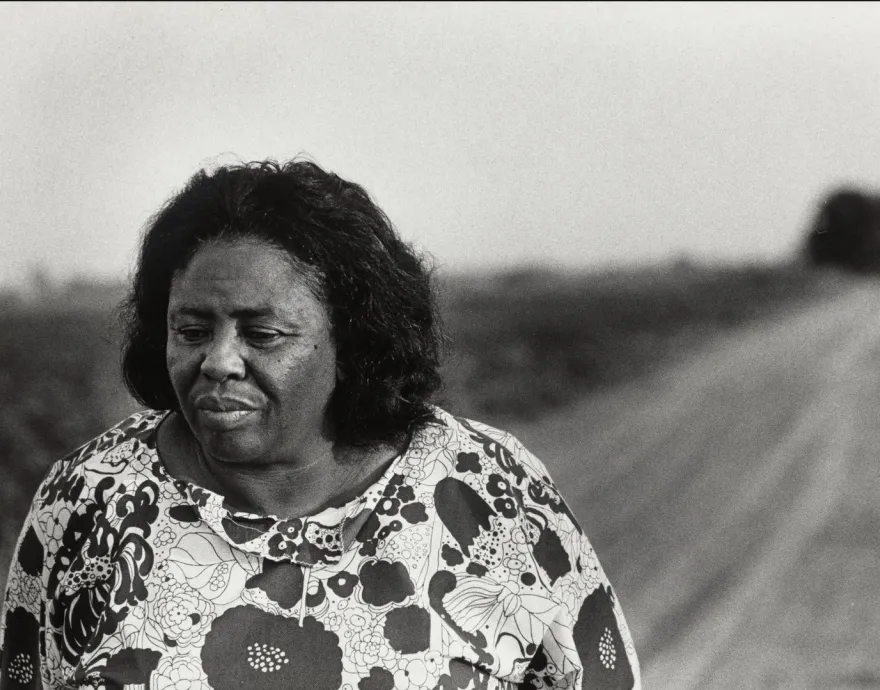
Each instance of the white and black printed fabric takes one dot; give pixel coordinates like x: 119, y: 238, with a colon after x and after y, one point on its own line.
x: 462, y: 567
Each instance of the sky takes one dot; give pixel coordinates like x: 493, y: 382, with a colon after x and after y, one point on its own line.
x: 492, y: 134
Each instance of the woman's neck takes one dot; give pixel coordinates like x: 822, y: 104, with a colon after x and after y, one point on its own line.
x: 332, y: 477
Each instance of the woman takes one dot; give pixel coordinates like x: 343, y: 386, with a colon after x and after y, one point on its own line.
x: 291, y: 511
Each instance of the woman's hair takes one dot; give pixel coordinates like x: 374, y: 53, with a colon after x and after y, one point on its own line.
x: 377, y: 290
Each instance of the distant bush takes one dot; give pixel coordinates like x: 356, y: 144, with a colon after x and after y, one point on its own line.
x: 846, y: 232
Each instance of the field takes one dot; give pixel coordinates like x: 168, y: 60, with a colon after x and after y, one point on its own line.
x: 677, y: 404
x: 523, y: 342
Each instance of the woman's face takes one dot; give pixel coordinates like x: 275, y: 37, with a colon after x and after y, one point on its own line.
x: 250, y: 354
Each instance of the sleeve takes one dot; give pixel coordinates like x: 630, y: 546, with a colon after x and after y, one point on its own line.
x: 22, y: 620
x: 588, y: 645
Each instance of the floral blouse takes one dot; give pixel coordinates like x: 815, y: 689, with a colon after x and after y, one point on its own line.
x: 461, y: 567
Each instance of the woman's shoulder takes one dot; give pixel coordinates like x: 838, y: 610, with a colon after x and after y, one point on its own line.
x: 75, y: 477
x: 498, y: 445
x: 497, y: 465
x: 137, y: 428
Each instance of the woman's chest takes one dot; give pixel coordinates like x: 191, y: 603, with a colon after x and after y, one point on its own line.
x: 187, y: 609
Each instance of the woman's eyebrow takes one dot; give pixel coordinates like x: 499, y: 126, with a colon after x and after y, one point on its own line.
x: 189, y: 311
x: 252, y: 313
x: 242, y: 314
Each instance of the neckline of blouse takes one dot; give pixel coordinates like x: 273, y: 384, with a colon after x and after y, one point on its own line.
x: 308, y: 540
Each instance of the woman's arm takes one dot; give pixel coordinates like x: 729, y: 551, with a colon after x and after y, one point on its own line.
x: 22, y: 623
x: 589, y: 637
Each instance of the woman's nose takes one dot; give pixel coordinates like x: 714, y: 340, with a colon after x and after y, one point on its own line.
x: 223, y: 359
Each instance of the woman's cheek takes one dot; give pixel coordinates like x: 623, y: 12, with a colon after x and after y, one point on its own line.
x: 182, y: 369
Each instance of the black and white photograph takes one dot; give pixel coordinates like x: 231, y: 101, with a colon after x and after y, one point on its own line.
x: 440, y: 345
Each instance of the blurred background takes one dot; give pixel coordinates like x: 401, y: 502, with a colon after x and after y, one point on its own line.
x: 656, y: 230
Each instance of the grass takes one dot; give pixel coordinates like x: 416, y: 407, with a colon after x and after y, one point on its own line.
x: 59, y: 387
x: 526, y: 341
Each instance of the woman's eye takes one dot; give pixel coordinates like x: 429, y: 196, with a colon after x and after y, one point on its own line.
x: 191, y: 335
x: 262, y: 336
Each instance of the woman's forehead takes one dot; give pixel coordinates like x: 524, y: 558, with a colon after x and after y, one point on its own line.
x: 244, y: 275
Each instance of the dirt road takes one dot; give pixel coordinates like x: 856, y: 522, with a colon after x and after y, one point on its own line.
x: 734, y: 501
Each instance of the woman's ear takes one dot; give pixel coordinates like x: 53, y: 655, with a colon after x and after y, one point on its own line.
x: 340, y: 375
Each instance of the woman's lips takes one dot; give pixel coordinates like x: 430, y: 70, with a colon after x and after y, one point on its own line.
x: 224, y: 420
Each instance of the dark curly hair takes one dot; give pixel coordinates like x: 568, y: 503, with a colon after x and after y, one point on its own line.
x: 378, y: 292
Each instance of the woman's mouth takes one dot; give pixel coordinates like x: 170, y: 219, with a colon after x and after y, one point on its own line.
x: 224, y: 420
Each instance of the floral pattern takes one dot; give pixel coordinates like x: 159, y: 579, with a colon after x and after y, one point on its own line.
x: 461, y: 567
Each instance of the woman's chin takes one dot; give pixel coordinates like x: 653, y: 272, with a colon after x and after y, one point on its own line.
x: 234, y: 447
